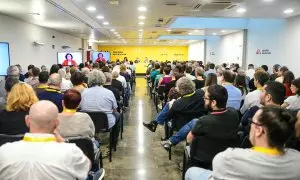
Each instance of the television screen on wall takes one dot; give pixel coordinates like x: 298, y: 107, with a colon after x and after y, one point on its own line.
x: 4, y: 58
x: 101, y: 56
x: 69, y: 58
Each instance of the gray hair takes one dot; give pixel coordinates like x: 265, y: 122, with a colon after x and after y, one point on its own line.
x: 185, y: 86
x: 44, y: 68
x: 85, y: 71
x: 54, y: 80
x: 115, y: 74
x: 199, y: 71
x: 13, y: 71
x: 62, y: 72
x: 108, y: 77
x: 96, y: 78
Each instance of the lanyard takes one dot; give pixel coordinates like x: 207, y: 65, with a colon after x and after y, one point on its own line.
x: 69, y: 110
x: 188, y: 95
x: 39, y: 139
x: 226, y: 83
x: 269, y: 151
x: 259, y: 88
x: 42, y: 86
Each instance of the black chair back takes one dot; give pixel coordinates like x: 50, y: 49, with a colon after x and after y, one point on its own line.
x: 85, y: 144
x: 4, y: 138
x: 204, y: 149
x: 100, y: 121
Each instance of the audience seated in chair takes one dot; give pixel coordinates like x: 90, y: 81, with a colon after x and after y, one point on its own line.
x: 293, y: 102
x: 12, y: 73
x: 220, y: 123
x: 271, y: 127
x: 99, y: 99
x: 189, y: 106
x: 19, y: 100
x: 53, y: 93
x: 42, y: 154
x: 253, y: 98
x: 43, y: 82
x: 234, y: 94
x: 199, y: 81
x: 77, y: 80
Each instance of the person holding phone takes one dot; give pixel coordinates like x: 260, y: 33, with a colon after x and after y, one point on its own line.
x: 69, y: 61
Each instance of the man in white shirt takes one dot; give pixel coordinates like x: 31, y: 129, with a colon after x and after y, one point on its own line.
x: 253, y: 98
x: 250, y: 72
x: 120, y: 78
x: 42, y: 154
x: 271, y: 127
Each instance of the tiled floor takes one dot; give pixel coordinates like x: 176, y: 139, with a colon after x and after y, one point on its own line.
x: 139, y: 155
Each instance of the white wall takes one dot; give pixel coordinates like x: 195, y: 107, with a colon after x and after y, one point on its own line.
x: 231, y: 48
x: 291, y: 46
x: 21, y: 36
x: 213, y: 49
x: 196, y: 51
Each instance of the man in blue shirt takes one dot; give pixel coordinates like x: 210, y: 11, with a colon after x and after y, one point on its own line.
x: 234, y: 94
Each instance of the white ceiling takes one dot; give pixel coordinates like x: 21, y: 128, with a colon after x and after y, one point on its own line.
x: 72, y: 17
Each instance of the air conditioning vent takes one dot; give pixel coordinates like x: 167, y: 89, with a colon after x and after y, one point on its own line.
x: 171, y: 4
x: 232, y: 6
x: 197, y: 6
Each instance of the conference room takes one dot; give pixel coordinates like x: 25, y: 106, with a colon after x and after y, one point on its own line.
x: 149, y: 89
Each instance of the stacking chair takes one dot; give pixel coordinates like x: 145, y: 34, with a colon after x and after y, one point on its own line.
x: 100, y: 121
x: 4, y: 138
x: 202, y: 150
x: 86, y: 145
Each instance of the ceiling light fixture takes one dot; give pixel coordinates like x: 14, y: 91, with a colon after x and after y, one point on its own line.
x: 190, y: 33
x: 268, y: 0
x: 214, y: 34
x: 241, y: 10
x: 116, y: 33
x: 288, y: 11
x: 223, y: 31
x: 100, y: 17
x: 169, y: 30
x: 141, y: 17
x: 196, y: 30
x: 142, y: 8
x: 112, y: 30
x: 105, y: 23
x: 91, y: 8
x: 141, y: 23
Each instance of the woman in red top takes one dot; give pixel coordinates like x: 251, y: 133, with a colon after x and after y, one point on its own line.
x: 100, y: 58
x: 288, y: 77
x: 69, y: 60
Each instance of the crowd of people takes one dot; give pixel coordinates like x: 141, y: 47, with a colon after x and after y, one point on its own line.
x: 222, y: 104
x: 48, y: 107
x: 225, y: 104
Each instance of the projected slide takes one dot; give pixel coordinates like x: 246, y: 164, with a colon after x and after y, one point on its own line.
x: 69, y: 58
x: 101, y: 56
x: 4, y: 58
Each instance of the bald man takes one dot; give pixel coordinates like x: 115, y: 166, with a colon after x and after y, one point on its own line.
x: 42, y: 154
x: 53, y: 93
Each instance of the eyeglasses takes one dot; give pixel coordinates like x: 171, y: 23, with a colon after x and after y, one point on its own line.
x: 252, y: 122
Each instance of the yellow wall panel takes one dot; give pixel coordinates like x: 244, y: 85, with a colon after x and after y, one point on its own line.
x: 160, y: 53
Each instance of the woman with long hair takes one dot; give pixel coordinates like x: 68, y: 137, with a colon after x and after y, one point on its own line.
x: 288, y: 77
x: 210, y: 80
x: 240, y: 82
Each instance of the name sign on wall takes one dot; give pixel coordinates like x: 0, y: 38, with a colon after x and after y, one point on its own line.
x: 263, y: 51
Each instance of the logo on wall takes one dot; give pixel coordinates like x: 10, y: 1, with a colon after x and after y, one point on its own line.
x: 263, y: 51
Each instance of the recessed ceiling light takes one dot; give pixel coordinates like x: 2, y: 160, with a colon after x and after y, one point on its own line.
x: 116, y: 33
x: 268, y: 0
x: 223, y: 31
x: 214, y: 34
x: 288, y: 11
x: 105, y: 23
x: 190, y: 33
x: 142, y: 8
x: 241, y: 10
x: 196, y: 30
x: 142, y: 17
x: 112, y: 30
x: 140, y: 30
x: 141, y: 23
x: 169, y: 30
x: 100, y: 17
x: 91, y: 8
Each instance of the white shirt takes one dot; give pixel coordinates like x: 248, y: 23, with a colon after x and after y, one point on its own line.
x: 24, y: 160
x: 279, y: 79
x: 122, y: 80
x: 250, y: 73
x: 251, y: 99
x: 293, y: 102
x: 65, y: 85
x: 191, y: 77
